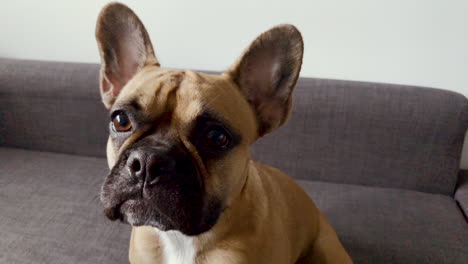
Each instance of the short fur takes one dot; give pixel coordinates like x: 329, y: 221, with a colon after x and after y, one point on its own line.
x: 243, y: 211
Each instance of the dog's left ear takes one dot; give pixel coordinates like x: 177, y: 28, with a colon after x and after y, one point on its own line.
x: 124, y: 47
x: 267, y: 73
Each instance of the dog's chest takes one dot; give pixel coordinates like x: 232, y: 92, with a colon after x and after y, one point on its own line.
x: 177, y: 247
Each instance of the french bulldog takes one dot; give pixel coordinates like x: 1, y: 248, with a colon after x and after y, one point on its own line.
x: 178, y: 151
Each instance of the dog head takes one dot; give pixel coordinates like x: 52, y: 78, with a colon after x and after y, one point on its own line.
x: 179, y: 140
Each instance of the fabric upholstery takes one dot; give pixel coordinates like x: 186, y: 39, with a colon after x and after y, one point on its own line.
x: 371, y: 134
x: 50, y: 210
x: 383, y: 225
x: 52, y: 106
x: 50, y: 213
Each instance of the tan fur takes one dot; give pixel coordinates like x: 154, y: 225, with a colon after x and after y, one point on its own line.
x: 268, y: 217
x: 260, y: 227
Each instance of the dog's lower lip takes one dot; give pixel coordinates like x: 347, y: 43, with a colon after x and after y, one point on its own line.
x: 131, y: 203
x: 113, y: 213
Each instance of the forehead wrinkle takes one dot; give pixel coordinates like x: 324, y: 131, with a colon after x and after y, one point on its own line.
x: 188, y: 98
x: 157, y: 95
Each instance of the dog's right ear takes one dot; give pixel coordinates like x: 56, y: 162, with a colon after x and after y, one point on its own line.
x: 124, y: 47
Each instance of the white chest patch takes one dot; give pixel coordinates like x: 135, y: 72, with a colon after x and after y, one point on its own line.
x: 177, y: 247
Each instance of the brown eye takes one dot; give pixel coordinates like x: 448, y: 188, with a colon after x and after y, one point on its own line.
x: 217, y: 137
x: 121, y: 122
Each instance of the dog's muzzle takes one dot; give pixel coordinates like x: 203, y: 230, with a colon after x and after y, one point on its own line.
x: 159, y: 185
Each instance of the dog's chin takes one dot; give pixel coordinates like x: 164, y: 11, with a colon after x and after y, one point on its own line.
x: 138, y: 212
x: 135, y: 219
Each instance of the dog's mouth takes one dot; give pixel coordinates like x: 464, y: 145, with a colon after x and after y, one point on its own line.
x: 117, y: 212
x: 138, y: 212
x: 136, y: 203
x: 133, y: 200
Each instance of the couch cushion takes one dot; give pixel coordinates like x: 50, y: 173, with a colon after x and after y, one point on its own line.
x: 50, y: 211
x: 381, y: 225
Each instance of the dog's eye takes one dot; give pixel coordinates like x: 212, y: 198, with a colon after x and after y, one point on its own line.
x: 121, y: 122
x: 217, y: 137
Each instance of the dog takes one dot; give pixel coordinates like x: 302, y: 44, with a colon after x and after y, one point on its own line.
x: 178, y: 151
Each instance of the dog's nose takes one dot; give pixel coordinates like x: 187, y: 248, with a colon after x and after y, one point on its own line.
x: 150, y: 167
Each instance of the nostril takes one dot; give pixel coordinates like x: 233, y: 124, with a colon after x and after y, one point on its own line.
x: 158, y: 167
x: 135, y: 166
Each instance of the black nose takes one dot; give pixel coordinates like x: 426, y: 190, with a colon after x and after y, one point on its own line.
x: 150, y: 167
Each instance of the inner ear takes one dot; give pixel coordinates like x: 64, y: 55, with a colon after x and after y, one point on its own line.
x: 124, y: 47
x: 267, y: 73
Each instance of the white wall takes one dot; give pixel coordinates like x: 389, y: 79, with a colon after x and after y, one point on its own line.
x: 421, y: 42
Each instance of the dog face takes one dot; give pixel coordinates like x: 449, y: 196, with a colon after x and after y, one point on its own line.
x: 179, y: 140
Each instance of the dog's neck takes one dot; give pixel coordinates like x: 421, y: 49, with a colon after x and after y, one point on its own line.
x: 177, y: 247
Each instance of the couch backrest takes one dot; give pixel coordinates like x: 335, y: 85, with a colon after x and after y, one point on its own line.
x: 340, y: 131
x: 373, y: 134
x: 52, y: 106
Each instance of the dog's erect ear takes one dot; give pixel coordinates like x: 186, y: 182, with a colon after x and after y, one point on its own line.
x: 124, y: 47
x: 267, y: 73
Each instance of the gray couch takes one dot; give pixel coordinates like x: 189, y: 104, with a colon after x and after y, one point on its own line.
x: 381, y: 161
